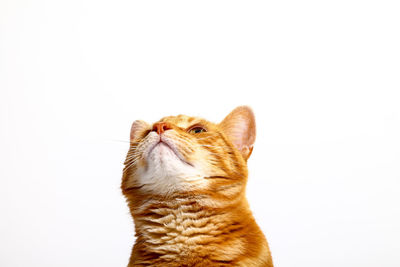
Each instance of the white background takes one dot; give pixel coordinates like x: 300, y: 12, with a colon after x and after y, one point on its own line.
x: 323, y: 80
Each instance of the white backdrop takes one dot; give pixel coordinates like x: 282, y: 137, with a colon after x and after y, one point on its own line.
x: 321, y: 76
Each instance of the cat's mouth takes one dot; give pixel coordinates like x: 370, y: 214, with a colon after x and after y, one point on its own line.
x: 165, y: 143
x: 160, y: 143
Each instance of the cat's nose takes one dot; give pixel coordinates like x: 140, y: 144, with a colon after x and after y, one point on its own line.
x: 161, y: 127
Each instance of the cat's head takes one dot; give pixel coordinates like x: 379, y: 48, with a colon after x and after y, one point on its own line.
x: 180, y: 154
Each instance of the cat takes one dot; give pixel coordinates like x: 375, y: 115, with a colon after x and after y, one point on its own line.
x: 184, y: 181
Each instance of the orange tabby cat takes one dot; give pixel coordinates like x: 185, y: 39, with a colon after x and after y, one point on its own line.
x: 184, y: 181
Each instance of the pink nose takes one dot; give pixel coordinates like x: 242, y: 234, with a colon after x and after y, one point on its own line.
x: 161, y: 127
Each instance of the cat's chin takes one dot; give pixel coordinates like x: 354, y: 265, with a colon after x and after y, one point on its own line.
x: 161, y: 149
x: 166, y: 170
x: 165, y: 152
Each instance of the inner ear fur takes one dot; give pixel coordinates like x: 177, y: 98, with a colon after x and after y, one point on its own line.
x: 137, y: 127
x: 240, y: 127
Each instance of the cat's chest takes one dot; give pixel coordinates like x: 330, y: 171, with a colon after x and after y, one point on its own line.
x: 179, y: 224
x: 173, y: 231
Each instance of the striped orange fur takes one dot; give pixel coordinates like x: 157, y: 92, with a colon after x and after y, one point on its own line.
x: 184, y: 181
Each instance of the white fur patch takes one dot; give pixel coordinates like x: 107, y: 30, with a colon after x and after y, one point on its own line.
x: 165, y: 171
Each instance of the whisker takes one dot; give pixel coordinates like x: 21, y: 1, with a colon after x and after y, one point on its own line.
x: 124, y: 141
x: 131, y: 158
x: 130, y: 165
x: 118, y: 140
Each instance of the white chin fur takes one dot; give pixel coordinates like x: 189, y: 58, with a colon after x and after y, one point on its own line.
x: 165, y: 171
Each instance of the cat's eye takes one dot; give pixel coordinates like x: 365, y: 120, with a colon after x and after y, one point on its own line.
x: 196, y: 130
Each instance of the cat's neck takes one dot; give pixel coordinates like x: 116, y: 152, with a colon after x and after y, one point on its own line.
x: 184, y: 215
x: 179, y: 228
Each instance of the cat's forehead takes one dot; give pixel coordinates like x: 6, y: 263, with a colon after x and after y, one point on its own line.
x: 183, y: 121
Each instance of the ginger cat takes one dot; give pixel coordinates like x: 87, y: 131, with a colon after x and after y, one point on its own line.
x: 184, y: 181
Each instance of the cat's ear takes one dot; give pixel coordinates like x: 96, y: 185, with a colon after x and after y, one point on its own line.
x: 138, y: 126
x: 240, y: 127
